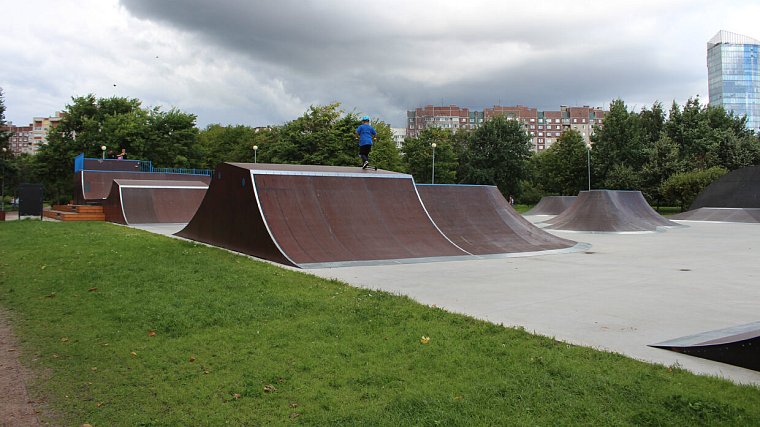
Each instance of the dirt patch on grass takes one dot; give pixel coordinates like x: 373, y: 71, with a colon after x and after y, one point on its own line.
x: 15, y: 406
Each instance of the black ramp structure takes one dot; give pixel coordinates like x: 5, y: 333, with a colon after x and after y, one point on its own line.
x: 738, y: 345
x: 479, y: 220
x: 318, y: 216
x: 610, y: 211
x: 736, y: 189
x: 552, y: 205
x: 746, y: 215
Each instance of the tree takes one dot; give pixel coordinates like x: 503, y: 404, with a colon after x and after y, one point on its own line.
x: 497, y: 154
x: 3, y: 134
x: 663, y: 160
x: 618, y: 145
x: 168, y: 139
x: 418, y: 156
x: 682, y: 188
x: 562, y: 168
x: 384, y: 154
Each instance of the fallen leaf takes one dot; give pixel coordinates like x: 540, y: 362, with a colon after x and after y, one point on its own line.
x: 50, y: 295
x: 133, y: 354
x: 192, y: 359
x: 99, y: 404
x: 94, y: 369
x: 43, y: 267
x: 295, y: 415
x: 64, y: 339
x: 86, y: 425
x: 424, y: 340
x: 269, y: 388
x: 92, y: 289
x: 151, y: 333
x: 236, y: 395
x: 293, y: 405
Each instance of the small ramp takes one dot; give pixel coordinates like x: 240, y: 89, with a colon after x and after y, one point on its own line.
x: 153, y: 201
x: 318, y: 216
x: 552, y: 205
x: 610, y: 211
x: 738, y: 345
x: 94, y: 186
x: 478, y: 219
x: 745, y: 215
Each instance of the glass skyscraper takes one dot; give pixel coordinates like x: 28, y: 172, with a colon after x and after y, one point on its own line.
x: 733, y: 74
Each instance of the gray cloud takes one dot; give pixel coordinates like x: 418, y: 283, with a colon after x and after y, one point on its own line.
x: 265, y: 62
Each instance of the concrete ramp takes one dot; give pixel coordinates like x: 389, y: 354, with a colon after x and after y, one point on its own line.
x: 152, y: 201
x: 737, y: 189
x: 552, y: 205
x: 610, y: 211
x: 95, y: 185
x: 318, y: 216
x: 479, y: 220
x: 746, y: 215
x: 738, y: 345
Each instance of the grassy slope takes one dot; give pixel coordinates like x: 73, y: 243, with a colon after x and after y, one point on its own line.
x: 241, y: 341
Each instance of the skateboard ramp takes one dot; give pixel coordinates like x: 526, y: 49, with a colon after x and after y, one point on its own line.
x: 737, y: 189
x: 95, y: 185
x: 738, y: 346
x: 748, y: 215
x: 552, y: 205
x: 609, y: 211
x: 479, y: 220
x: 153, y: 201
x: 318, y: 216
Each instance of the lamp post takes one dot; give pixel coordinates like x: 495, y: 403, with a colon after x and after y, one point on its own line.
x: 2, y: 193
x: 433, y: 145
x: 255, y: 150
x: 103, y: 149
x: 588, y: 163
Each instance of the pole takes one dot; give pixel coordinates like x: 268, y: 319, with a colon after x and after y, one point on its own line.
x: 433, y: 180
x: 588, y: 161
x: 255, y: 151
x: 2, y: 193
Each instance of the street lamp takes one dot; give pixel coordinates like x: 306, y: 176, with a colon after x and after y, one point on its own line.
x: 103, y: 148
x: 255, y: 150
x: 2, y: 194
x: 588, y: 163
x: 433, y: 145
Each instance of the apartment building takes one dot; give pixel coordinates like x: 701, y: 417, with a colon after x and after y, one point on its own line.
x: 544, y: 127
x: 41, y: 126
x: 20, y: 141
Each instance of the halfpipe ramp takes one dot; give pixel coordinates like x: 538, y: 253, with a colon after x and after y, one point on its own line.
x: 153, y: 201
x: 552, y: 205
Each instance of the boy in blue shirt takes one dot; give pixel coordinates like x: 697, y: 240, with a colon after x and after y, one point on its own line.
x: 366, y: 135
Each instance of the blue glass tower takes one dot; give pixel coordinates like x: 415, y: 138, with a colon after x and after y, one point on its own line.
x: 733, y: 74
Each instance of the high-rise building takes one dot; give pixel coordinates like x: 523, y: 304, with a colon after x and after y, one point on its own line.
x: 20, y: 141
x: 41, y: 126
x: 544, y: 127
x: 733, y: 74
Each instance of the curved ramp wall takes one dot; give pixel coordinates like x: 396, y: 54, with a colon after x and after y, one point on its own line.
x: 479, y: 220
x: 737, y: 189
x: 150, y: 201
x: 747, y: 215
x: 95, y: 186
x: 552, y: 205
x: 317, y: 216
x: 610, y: 211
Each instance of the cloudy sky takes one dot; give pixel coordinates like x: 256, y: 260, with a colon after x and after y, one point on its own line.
x: 264, y: 62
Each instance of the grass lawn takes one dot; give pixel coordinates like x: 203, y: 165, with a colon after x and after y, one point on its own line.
x: 124, y: 327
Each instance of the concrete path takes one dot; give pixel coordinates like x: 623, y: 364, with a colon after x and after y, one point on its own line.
x: 627, y: 291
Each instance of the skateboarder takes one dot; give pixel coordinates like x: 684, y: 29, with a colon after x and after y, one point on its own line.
x: 366, y: 135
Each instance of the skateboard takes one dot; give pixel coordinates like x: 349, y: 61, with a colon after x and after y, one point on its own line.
x: 371, y: 167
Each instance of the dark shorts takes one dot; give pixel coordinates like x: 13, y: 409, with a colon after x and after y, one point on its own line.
x: 365, y: 149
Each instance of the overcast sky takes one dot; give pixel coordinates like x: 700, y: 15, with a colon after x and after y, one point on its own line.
x: 264, y: 62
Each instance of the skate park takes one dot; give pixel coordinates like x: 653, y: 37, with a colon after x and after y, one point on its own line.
x: 614, y: 289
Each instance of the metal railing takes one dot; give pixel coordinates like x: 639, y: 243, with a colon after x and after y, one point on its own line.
x: 112, y: 165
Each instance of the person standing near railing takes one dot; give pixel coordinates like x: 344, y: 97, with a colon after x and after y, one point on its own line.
x: 122, y: 155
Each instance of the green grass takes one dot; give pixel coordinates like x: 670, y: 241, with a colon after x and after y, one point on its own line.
x: 522, y: 208
x: 247, y: 343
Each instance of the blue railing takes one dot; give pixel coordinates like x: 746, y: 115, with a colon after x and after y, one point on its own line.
x: 112, y: 165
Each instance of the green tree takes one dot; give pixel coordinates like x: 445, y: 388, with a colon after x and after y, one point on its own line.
x: 418, y: 156
x: 562, y: 168
x: 618, y: 146
x: 497, y: 154
x: 682, y: 188
x: 3, y: 134
x: 385, y: 154
x: 663, y: 160
x: 219, y: 144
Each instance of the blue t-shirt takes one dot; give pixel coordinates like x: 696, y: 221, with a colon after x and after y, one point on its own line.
x: 366, y: 132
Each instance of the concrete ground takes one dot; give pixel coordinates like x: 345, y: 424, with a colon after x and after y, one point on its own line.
x: 627, y: 291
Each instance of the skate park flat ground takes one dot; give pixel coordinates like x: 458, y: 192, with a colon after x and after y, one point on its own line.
x: 626, y: 292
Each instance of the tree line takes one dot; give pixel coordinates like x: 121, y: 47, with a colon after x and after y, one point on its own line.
x: 669, y: 157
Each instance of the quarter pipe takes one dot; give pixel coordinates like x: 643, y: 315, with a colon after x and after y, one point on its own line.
x: 749, y: 215
x: 318, y: 216
x: 737, y: 189
x: 95, y: 185
x: 479, y: 220
x: 153, y: 201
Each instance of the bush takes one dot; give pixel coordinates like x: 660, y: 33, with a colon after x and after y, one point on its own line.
x: 682, y: 188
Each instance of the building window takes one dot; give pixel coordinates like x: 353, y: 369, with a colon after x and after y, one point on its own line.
x: 532, y: 120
